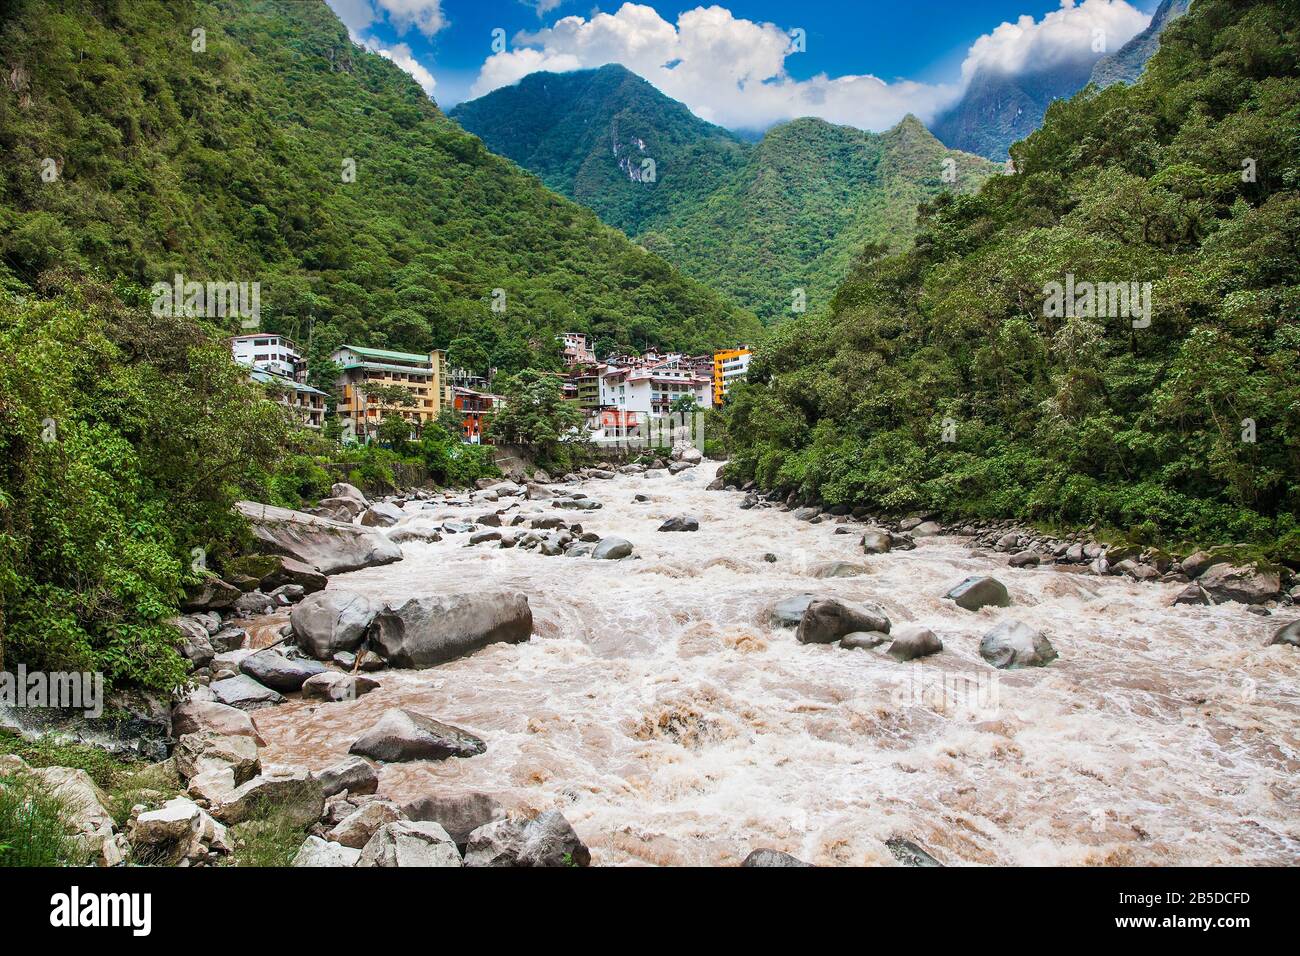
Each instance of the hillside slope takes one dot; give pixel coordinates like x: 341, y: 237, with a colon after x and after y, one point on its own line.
x: 1180, y: 423
x: 228, y: 163
x: 1125, y: 65
x: 753, y: 220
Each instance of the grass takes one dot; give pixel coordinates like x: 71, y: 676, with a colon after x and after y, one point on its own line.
x: 107, y: 771
x: 34, y: 827
x: 271, y: 838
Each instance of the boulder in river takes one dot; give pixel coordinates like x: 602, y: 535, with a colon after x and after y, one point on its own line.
x: 788, y: 612
x: 549, y: 840
x: 876, y: 541
x: 766, y: 857
x: 353, y: 774
x: 331, y: 547
x: 328, y: 622
x: 1012, y: 644
x: 979, y: 591
x: 681, y: 523
x: 839, y: 569
x: 612, y: 549
x: 245, y: 693
x: 460, y: 814
x: 828, y: 619
x: 272, y: 669
x: 406, y: 843
x: 402, y: 735
x: 333, y: 686
x: 909, y: 853
x: 423, y: 632
x: 1287, y: 634
x: 912, y: 641
x: 863, y: 640
x: 1245, y: 585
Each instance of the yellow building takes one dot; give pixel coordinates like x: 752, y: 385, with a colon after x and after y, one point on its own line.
x: 366, y: 370
x: 729, y: 365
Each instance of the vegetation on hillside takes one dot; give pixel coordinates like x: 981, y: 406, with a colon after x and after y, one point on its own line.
x: 754, y: 221
x: 1188, y: 180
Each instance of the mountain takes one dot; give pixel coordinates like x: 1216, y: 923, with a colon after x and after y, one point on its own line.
x: 1000, y: 108
x: 234, y: 163
x: 949, y: 380
x: 753, y: 219
x: 1125, y: 64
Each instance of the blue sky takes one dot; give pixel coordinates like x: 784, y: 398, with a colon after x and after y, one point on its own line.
x: 865, y: 63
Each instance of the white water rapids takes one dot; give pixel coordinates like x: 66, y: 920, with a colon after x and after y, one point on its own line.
x: 659, y: 711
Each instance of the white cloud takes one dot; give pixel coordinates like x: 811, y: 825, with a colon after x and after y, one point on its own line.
x: 727, y: 70
x: 1061, y: 36
x: 400, y: 54
x: 423, y: 15
x: 732, y: 71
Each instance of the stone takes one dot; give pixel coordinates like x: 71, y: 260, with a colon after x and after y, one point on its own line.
x: 291, y: 571
x: 272, y: 669
x: 681, y: 523
x: 331, y: 547
x: 612, y: 549
x: 228, y: 639
x: 1194, y: 565
x: 1245, y: 585
x: 333, y: 686
x: 381, y: 515
x: 907, y: 524
x: 179, y: 831
x: 356, y: 829
x: 291, y: 790
x: 839, y: 569
x: 406, y: 843
x: 402, y: 735
x: 876, y: 541
x: 460, y: 814
x: 979, y: 591
x: 212, y: 786
x: 548, y: 840
x: 910, y: 854
x: 863, y: 640
x: 354, y: 775
x: 1025, y: 559
x: 195, y: 644
x: 203, y: 751
x: 423, y: 632
x: 1012, y: 644
x: 911, y: 642
x: 330, y: 621
x: 828, y: 619
x: 254, y: 603
x: 245, y: 693
x: 288, y: 594
x: 316, y: 852
x: 1193, y: 594
x: 213, y: 594
x: 766, y: 857
x: 926, y: 529
x: 788, y: 612
x: 192, y: 716
x: 1287, y: 634
x: 805, y: 514
x: 87, y: 816
x: 479, y: 537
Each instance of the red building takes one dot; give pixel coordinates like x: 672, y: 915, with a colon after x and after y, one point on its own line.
x: 475, y: 409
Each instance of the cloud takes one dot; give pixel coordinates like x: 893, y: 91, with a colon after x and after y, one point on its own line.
x: 1061, y: 36
x: 732, y: 71
x: 727, y: 70
x: 423, y: 15
x: 400, y: 54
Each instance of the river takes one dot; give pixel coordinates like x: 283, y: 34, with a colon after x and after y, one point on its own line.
x: 659, y: 711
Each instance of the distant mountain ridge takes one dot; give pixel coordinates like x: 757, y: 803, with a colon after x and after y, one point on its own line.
x: 754, y: 220
x: 1125, y: 65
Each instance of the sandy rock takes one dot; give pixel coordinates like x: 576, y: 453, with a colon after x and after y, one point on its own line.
x: 410, y: 844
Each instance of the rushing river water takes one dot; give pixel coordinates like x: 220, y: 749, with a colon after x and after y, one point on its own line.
x: 659, y: 711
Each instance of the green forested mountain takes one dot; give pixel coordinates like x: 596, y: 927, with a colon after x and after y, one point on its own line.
x: 753, y: 220
x: 228, y: 163
x: 1188, y: 427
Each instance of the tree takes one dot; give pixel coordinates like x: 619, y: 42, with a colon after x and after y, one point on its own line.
x: 537, y: 416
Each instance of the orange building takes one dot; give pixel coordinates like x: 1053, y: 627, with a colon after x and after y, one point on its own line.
x: 729, y: 366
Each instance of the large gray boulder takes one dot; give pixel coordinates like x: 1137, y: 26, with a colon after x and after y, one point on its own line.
x: 405, y: 843
x: 766, y: 857
x: 788, y: 612
x: 193, y: 716
x: 243, y: 692
x: 979, y: 591
x: 1245, y: 585
x: 681, y: 523
x: 333, y: 686
x: 85, y: 811
x: 329, y: 621
x: 272, y: 669
x: 829, y: 619
x: 213, y: 594
x: 912, y: 641
x: 1287, y: 634
x: 548, y: 840
x: 291, y: 791
x: 612, y: 548
x: 1012, y: 644
x: 423, y: 632
x: 402, y: 735
x: 381, y: 515
x: 316, y: 852
x: 204, y: 751
x: 460, y: 814
x: 331, y: 547
x: 356, y: 829
x: 876, y: 541
x: 353, y: 775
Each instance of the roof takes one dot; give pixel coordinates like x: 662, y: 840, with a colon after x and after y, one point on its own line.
x: 388, y: 368
x: 258, y: 375
x: 386, y: 354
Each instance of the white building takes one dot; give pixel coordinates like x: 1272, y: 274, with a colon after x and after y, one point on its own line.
x: 651, y: 390
x: 267, y: 353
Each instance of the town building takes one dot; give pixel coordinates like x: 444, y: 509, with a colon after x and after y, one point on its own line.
x: 366, y: 370
x: 307, y: 403
x: 652, y: 389
x: 269, y: 353
x: 729, y: 367
x: 576, y: 349
x: 475, y: 410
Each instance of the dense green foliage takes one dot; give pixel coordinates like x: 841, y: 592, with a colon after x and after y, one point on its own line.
x: 536, y: 416
x: 753, y: 220
x: 229, y: 164
x: 1078, y: 419
x: 34, y: 825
